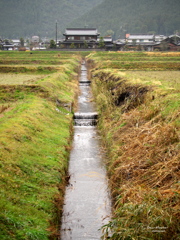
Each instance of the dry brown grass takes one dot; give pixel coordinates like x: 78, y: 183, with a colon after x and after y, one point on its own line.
x: 150, y: 152
x: 13, y: 79
x: 162, y: 79
x: 4, y: 108
x: 163, y: 54
x: 144, y: 171
x: 141, y: 135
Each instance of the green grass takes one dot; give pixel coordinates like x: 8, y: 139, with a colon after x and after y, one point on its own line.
x: 137, y: 61
x: 34, y: 158
x: 35, y: 140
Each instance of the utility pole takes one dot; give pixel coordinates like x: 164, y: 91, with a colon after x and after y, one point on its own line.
x: 56, y: 32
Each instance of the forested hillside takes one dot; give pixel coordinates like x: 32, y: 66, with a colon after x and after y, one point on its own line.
x: 23, y: 18
x: 133, y: 16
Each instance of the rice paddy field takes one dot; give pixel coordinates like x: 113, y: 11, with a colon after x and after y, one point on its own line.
x: 16, y: 79
x: 35, y: 137
x: 138, y: 60
x: 138, y: 99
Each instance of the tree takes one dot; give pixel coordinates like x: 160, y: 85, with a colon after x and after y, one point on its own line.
x: 101, y: 43
x: 52, y: 44
x: 110, y: 32
x: 85, y: 44
x: 22, y: 42
x: 72, y: 45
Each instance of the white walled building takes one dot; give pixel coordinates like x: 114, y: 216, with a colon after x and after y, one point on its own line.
x: 140, y: 38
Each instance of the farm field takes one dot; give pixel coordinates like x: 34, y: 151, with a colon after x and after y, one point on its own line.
x: 137, y: 60
x: 35, y: 135
x: 16, y: 79
x: 138, y: 100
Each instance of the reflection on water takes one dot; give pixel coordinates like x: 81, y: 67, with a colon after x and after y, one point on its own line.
x: 87, y: 204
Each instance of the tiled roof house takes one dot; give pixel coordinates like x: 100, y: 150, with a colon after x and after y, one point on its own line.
x: 79, y: 37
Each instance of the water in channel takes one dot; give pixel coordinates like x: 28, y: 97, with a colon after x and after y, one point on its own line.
x: 87, y: 204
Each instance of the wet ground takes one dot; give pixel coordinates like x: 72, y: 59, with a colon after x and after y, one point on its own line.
x: 87, y: 203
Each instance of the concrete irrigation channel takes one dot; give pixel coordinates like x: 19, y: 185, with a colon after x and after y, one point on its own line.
x: 87, y: 205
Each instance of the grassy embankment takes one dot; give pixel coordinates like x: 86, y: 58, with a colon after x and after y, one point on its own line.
x: 138, y: 99
x: 35, y: 135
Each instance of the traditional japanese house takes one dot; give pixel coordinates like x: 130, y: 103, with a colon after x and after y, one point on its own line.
x: 170, y: 43
x: 7, y: 46
x: 142, y: 41
x: 81, y: 38
x: 108, y: 42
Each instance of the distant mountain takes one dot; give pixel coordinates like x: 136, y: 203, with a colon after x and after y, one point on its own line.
x: 118, y: 17
x: 21, y: 18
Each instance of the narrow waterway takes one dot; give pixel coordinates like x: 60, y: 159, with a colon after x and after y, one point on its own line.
x: 87, y: 204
